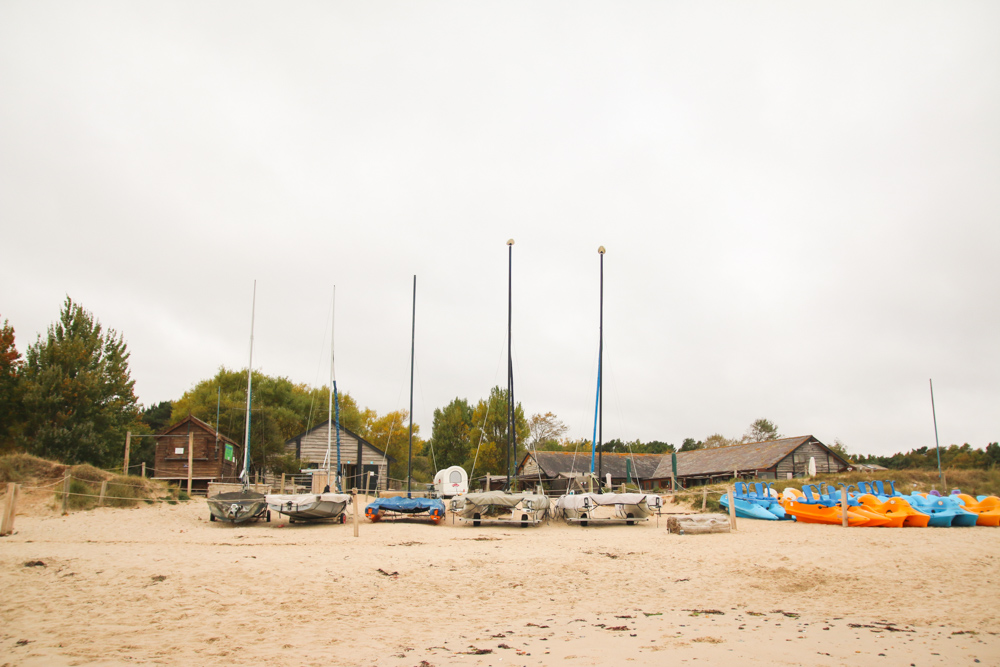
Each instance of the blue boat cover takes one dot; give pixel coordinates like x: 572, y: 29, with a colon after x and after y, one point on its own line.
x: 407, y: 505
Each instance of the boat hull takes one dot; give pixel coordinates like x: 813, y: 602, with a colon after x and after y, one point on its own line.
x: 745, y: 509
x: 237, y: 506
x: 498, y: 507
x: 606, y: 507
x: 309, y: 506
x: 811, y: 513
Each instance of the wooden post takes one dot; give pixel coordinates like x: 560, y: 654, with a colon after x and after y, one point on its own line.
x: 487, y: 481
x: 704, y: 497
x: 128, y: 446
x: 190, y: 460
x: 7, y: 524
x: 65, y: 503
x: 843, y: 506
x: 144, y: 469
x: 732, y: 506
x: 354, y: 492
x: 282, y: 483
x: 104, y: 492
x: 368, y: 478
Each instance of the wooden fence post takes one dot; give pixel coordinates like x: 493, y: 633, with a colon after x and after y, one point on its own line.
x: 282, y: 483
x: 704, y: 497
x: 7, y: 525
x: 732, y: 505
x: 367, y: 480
x: 104, y: 492
x: 144, y: 469
x: 65, y: 502
x: 843, y: 506
x: 354, y: 492
x: 128, y: 446
x: 190, y: 460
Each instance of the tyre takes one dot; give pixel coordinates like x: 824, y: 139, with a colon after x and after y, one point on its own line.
x: 211, y: 517
x: 267, y: 516
x: 630, y: 520
x: 583, y: 520
x: 476, y: 519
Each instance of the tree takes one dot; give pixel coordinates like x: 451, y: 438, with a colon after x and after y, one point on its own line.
x: 11, y: 412
x: 157, y: 417
x: 761, y: 430
x: 79, y: 395
x: 840, y: 449
x: 545, y: 428
x: 690, y: 444
x: 717, y: 440
x: 489, y: 427
x: 450, y: 433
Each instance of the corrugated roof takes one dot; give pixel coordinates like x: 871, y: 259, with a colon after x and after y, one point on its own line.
x: 555, y: 463
x: 751, y: 456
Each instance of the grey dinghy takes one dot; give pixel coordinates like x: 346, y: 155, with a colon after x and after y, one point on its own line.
x: 493, y: 506
x: 238, y: 506
x: 603, y: 507
x: 309, y: 506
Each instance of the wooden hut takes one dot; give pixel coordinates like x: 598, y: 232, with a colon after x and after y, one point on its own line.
x: 216, y: 458
x: 775, y: 459
x: 310, y: 448
x: 556, y: 470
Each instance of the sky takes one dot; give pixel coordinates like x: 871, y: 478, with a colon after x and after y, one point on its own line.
x: 800, y: 204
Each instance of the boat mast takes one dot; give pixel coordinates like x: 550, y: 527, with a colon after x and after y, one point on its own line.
x: 413, y: 343
x: 599, y: 404
x: 511, y: 436
x: 245, y: 474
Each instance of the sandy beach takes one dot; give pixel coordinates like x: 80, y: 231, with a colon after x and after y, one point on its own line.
x: 163, y: 585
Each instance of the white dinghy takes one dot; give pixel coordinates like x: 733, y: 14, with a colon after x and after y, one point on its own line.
x: 527, y: 509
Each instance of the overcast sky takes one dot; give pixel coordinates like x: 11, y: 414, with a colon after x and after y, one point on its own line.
x: 800, y: 203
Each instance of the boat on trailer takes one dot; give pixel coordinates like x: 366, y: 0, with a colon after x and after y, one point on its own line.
x: 586, y: 508
x: 526, y: 509
x: 327, y: 505
x: 243, y: 505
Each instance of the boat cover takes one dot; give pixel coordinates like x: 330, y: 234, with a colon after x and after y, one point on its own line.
x: 538, y: 502
x: 306, y: 498
x: 579, y: 500
x: 404, y: 505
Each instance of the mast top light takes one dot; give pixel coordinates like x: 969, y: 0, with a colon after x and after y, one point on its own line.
x: 510, y: 241
x: 601, y: 250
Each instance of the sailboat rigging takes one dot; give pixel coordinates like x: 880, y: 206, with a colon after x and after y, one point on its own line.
x: 491, y: 506
x: 243, y: 505
x: 409, y: 505
x: 326, y: 505
x: 589, y: 506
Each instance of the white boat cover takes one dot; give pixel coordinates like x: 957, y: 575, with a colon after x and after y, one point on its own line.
x: 305, y: 499
x: 579, y: 500
x: 538, y: 502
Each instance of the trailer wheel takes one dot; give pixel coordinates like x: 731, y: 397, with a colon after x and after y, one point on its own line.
x: 583, y: 519
x: 268, y: 516
x: 476, y: 519
x: 211, y: 517
x: 343, y: 518
x: 524, y: 521
x: 630, y: 521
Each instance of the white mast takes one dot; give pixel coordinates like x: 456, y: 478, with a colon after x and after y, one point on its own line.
x: 245, y: 473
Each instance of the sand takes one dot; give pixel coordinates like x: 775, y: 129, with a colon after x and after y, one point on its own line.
x: 163, y: 585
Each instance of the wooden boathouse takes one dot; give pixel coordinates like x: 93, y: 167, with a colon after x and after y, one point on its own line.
x: 216, y: 458
x: 310, y: 448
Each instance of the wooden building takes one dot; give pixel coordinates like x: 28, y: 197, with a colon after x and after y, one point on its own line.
x: 216, y: 457
x: 556, y: 470
x: 310, y: 448
x: 775, y: 459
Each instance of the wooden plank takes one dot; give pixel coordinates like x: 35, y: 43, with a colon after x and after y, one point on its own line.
x: 704, y: 497
x: 843, y: 506
x: 128, y: 447
x: 354, y: 493
x: 190, y: 460
x: 104, y: 492
x: 10, y: 510
x: 65, y: 501
x: 732, y: 505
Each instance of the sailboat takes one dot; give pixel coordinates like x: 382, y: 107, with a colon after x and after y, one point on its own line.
x: 326, y: 505
x: 503, y: 506
x: 604, y: 507
x: 396, y: 505
x: 243, y: 505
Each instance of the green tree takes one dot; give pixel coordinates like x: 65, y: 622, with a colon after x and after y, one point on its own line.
x: 690, y: 444
x: 716, y: 440
x: 11, y: 406
x: 450, y: 433
x: 489, y: 433
x: 544, y: 429
x: 761, y: 430
x: 79, y: 395
x: 840, y: 449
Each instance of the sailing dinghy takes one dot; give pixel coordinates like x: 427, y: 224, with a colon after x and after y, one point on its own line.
x: 244, y: 505
x: 326, y: 505
x: 408, y: 505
